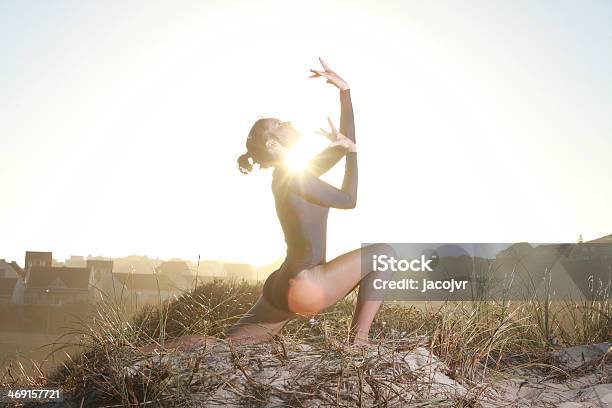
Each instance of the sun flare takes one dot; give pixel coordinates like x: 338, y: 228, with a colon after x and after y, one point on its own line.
x: 300, y: 154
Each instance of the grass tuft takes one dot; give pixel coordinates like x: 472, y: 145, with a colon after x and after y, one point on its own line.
x: 474, y: 340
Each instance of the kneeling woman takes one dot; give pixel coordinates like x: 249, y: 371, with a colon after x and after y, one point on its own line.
x: 306, y: 283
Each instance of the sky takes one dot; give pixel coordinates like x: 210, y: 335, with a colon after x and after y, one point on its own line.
x: 476, y: 121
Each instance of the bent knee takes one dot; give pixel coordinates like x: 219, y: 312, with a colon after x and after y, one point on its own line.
x: 382, y: 249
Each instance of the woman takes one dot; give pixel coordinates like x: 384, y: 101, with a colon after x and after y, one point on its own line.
x: 306, y: 283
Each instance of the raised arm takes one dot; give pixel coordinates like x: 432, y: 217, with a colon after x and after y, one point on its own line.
x: 327, y: 158
x: 306, y: 182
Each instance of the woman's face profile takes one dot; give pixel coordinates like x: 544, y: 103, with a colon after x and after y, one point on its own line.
x: 283, y: 132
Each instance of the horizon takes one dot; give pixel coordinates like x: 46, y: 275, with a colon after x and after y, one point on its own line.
x: 171, y: 259
x: 196, y: 261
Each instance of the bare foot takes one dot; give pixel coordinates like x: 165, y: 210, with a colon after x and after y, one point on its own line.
x: 360, y: 343
x: 359, y: 340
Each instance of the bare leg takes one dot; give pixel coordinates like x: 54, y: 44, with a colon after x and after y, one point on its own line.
x: 322, y: 286
x: 311, y: 291
x: 366, y: 307
x: 259, y: 324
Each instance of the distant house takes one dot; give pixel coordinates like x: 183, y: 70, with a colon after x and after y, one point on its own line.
x: 135, y: 264
x: 205, y: 271
x: 45, y: 284
x: 597, y: 249
x: 57, y: 286
x: 35, y: 258
x: 240, y: 271
x: 173, y: 268
x: 187, y: 276
x: 603, y: 240
x: 178, y: 272
x: 99, y: 267
x: 10, y: 292
x: 10, y: 269
x: 75, y: 261
x: 12, y: 287
x: 101, y: 270
x: 144, y: 288
x: 210, y: 268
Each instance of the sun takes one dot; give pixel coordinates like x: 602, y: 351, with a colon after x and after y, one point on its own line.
x: 300, y: 154
x: 297, y: 158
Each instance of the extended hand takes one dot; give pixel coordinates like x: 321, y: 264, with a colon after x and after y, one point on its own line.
x: 332, y: 77
x: 337, y: 138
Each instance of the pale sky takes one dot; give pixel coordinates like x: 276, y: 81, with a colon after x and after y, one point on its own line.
x: 476, y: 121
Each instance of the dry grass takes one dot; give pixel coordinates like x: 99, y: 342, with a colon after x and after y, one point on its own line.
x: 474, y: 341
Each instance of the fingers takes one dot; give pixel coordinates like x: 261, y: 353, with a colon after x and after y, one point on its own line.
x: 326, y: 74
x: 324, y: 64
x: 331, y: 124
x: 315, y: 73
x: 320, y: 73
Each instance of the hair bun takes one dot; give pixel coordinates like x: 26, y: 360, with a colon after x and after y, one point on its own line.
x: 244, y: 164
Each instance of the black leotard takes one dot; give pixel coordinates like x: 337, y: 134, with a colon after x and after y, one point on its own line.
x: 302, y: 205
